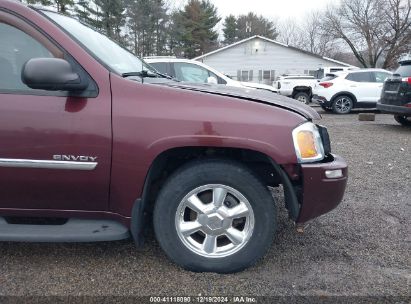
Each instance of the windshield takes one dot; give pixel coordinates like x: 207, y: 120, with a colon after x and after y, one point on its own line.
x: 109, y: 52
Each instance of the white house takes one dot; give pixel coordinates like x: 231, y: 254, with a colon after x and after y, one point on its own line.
x: 259, y: 59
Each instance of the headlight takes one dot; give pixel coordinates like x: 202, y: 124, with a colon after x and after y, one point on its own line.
x: 308, y: 144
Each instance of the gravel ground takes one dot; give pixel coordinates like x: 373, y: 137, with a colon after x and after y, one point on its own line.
x: 361, y: 248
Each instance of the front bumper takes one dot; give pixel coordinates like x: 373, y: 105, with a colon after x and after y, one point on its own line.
x: 321, y: 192
x: 401, y: 110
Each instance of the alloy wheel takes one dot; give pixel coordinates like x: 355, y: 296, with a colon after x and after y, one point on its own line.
x: 302, y: 99
x: 214, y: 221
x: 343, y: 105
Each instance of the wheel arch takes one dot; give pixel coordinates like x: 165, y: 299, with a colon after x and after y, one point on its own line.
x: 304, y: 89
x: 345, y: 93
x: 167, y: 162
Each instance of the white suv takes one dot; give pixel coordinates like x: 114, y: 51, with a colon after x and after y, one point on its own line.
x: 343, y: 91
x: 196, y: 72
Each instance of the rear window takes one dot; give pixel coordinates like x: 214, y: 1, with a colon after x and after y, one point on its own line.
x: 360, y: 77
x: 381, y: 76
x: 404, y: 70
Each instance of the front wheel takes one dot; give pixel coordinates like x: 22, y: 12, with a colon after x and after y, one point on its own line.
x: 342, y: 105
x: 214, y: 216
x: 404, y: 120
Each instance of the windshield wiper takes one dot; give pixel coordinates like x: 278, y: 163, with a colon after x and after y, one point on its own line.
x: 166, y: 76
x: 142, y: 74
x: 145, y: 74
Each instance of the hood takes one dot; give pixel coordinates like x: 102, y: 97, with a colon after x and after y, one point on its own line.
x: 260, y: 96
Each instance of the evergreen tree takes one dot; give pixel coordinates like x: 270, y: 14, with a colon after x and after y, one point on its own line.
x: 230, y: 29
x: 176, y: 28
x: 251, y: 24
x: 111, y: 17
x: 62, y: 6
x: 148, y: 20
x: 86, y: 11
x: 196, y: 23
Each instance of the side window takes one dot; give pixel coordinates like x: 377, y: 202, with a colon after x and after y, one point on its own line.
x: 360, y: 77
x: 20, y: 47
x: 380, y: 76
x: 162, y: 67
x: 190, y: 72
x: 221, y: 80
x: 218, y: 79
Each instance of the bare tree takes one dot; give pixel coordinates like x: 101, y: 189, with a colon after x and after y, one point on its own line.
x: 376, y: 31
x: 309, y: 35
x: 398, y: 21
x: 316, y: 38
x: 289, y: 32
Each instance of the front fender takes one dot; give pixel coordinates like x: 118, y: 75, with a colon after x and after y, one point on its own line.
x: 150, y: 119
x: 215, y: 141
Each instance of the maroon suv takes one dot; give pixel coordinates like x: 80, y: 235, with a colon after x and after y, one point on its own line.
x: 95, y: 144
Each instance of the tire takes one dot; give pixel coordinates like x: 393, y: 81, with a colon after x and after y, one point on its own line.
x: 302, y: 97
x: 255, y: 221
x: 342, y: 104
x: 403, y: 120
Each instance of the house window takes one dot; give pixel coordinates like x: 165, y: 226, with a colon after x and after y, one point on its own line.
x: 245, y: 75
x: 311, y: 72
x: 266, y: 76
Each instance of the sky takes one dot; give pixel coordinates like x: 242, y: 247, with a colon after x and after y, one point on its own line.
x: 271, y: 9
x: 274, y: 10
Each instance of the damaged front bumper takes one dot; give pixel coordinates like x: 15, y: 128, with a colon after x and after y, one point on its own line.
x: 323, y: 187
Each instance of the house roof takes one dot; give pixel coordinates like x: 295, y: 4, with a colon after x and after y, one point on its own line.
x: 275, y: 42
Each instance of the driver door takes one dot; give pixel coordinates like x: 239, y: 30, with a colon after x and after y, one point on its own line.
x: 55, y: 150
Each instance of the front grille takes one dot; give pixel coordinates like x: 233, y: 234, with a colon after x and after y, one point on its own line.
x: 325, y: 139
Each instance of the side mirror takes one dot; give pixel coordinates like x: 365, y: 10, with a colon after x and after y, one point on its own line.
x: 52, y: 74
x: 212, y: 80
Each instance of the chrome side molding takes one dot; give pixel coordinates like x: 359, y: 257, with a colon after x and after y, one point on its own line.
x: 47, y: 164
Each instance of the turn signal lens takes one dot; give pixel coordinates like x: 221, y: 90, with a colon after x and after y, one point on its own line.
x: 306, y: 144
